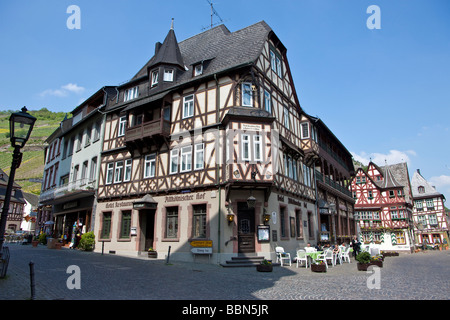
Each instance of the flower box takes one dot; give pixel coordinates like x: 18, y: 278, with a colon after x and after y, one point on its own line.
x: 264, y: 267
x: 362, y: 266
x: 318, y: 268
x: 153, y: 254
x: 378, y: 263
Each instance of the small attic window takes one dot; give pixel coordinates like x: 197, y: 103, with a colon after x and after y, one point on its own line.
x: 154, y: 79
x: 168, y: 75
x: 198, y: 69
x: 421, y: 189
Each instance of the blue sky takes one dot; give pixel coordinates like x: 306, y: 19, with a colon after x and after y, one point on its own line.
x: 385, y: 93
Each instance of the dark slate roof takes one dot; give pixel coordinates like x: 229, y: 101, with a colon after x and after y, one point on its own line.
x: 419, y: 181
x: 169, y: 52
x: 222, y: 49
x: 395, y: 176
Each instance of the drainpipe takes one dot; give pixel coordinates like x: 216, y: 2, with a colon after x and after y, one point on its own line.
x: 219, y: 214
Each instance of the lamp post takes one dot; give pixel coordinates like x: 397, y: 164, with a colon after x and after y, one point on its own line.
x: 20, y: 126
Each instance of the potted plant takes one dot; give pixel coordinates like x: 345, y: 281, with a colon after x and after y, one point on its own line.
x: 318, y: 266
x: 35, y: 241
x: 87, y: 241
x: 152, y: 253
x: 363, y: 259
x: 265, y: 266
x: 377, y: 261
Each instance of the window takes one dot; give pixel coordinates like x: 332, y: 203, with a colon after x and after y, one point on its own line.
x: 245, y: 147
x: 172, y: 222
x: 125, y: 226
x: 370, y: 192
x: 168, y: 75
x: 199, y: 221
x: 267, y: 101
x: 92, y: 174
x: 423, y: 220
x: 122, y: 125
x: 109, y: 173
x: 421, y: 189
x: 155, y: 75
x: 186, y: 159
x: 286, y: 118
x: 257, y: 147
x: 75, y: 173
x: 394, y: 214
x: 247, y: 94
x: 150, y: 166
x: 419, y: 205
x: 433, y: 219
x: 295, y: 166
x: 400, y: 235
x: 299, y: 223
x: 283, y: 222
x: 276, y: 64
x: 88, y: 137
x: 188, y: 106
x: 391, y: 194
x: 106, y: 225
x: 430, y: 204
x: 131, y: 94
x: 174, y: 161
x: 97, y: 128
x: 199, y: 156
x: 305, y: 130
x: 118, y: 172
x: 198, y: 69
x: 376, y: 215
x: 84, y: 170
x: 79, y: 141
x: 128, y: 164
x: 273, y: 60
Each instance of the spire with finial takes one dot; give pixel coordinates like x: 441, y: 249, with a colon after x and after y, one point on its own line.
x: 171, y: 25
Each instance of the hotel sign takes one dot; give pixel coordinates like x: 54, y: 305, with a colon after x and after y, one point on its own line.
x: 202, y: 243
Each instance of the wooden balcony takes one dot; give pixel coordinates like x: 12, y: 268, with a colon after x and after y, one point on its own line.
x: 147, y: 133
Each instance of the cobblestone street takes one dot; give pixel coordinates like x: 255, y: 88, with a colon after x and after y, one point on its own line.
x: 421, y: 276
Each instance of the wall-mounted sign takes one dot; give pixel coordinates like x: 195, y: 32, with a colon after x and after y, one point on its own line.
x: 274, y: 217
x: 263, y: 233
x: 202, y: 243
x: 133, y: 231
x: 201, y: 250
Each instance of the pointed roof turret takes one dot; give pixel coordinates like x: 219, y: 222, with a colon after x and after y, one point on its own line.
x: 169, y: 52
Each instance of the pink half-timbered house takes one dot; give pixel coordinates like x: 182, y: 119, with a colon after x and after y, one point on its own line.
x: 383, y: 205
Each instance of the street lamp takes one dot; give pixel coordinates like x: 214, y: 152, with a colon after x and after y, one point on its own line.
x: 20, y: 124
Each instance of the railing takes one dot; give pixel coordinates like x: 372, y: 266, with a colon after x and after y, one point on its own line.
x: 148, y: 129
x: 320, y: 177
x: 81, y: 184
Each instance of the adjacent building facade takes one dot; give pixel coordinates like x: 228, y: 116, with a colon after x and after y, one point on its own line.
x: 383, y: 205
x: 16, y: 206
x: 430, y: 220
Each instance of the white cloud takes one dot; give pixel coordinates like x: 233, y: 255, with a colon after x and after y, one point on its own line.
x: 393, y: 157
x: 63, y: 91
x: 440, y: 182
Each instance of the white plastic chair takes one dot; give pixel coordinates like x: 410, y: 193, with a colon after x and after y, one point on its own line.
x: 327, y: 255
x: 301, y: 256
x: 345, y: 255
x: 281, y: 255
x: 310, y: 249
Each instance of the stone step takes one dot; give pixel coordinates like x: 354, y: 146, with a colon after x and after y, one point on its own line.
x: 244, y: 261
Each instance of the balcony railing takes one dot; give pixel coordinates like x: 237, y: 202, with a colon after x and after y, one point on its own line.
x: 320, y: 177
x: 56, y: 192
x: 147, y: 129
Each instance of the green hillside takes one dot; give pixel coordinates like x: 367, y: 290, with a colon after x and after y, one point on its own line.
x: 32, y: 166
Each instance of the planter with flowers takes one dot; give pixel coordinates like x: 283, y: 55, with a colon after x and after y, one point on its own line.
x: 152, y: 253
x: 377, y: 261
x: 318, y: 266
x: 364, y: 260
x: 265, y: 266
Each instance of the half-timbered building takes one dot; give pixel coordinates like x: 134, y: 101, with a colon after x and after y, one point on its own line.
x: 430, y: 222
x: 204, y: 147
x: 383, y: 206
x: 16, y: 206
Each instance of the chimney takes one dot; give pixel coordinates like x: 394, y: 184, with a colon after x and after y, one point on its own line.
x: 418, y: 171
x: 157, y: 47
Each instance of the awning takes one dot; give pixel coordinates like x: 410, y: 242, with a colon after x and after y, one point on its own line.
x: 146, y: 202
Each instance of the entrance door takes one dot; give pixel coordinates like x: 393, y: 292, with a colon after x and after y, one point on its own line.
x: 148, y: 224
x: 246, y: 228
